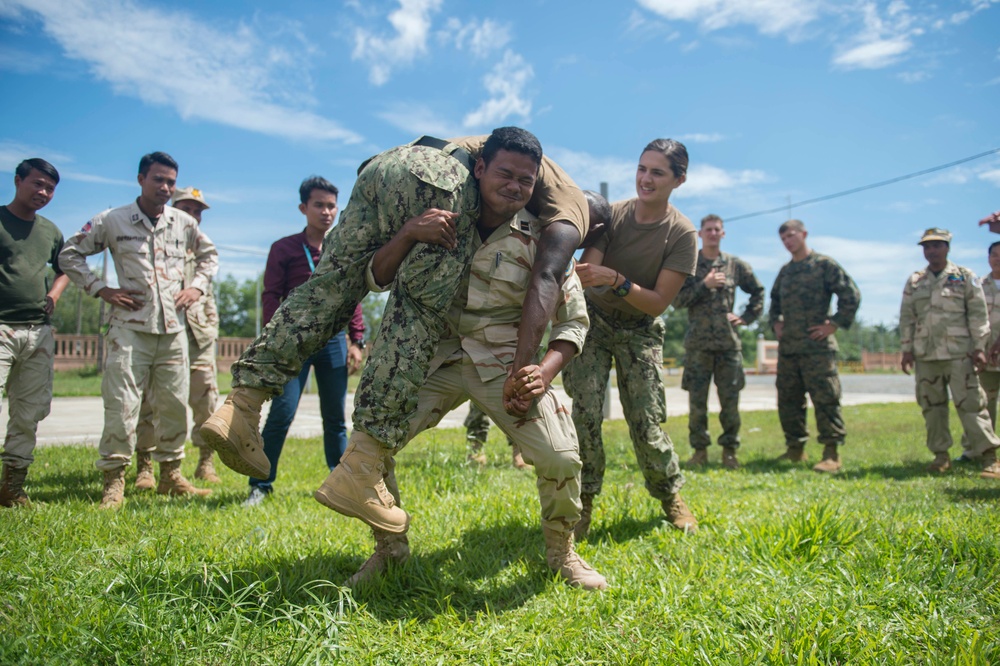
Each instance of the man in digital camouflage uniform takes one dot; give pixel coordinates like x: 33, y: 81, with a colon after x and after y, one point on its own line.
x: 202, y: 318
x: 433, y: 180
x: 712, y: 345
x: 147, y: 339
x: 807, y: 348
x: 472, y: 363
x: 944, y: 330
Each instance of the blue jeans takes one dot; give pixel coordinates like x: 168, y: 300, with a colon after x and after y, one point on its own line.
x: 330, y: 364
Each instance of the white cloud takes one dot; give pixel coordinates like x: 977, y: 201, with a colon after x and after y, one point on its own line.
x: 699, y: 137
x: 251, y: 83
x: 884, y: 38
x: 705, y: 180
x: 97, y: 180
x: 914, y: 77
x: 418, y: 119
x: 992, y: 176
x: 874, y: 54
x: 480, y: 38
x: 505, y: 84
x: 770, y: 17
x: 411, y: 24
x: 13, y: 153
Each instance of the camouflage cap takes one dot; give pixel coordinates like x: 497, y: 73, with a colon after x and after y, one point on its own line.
x: 190, y: 194
x: 935, y: 234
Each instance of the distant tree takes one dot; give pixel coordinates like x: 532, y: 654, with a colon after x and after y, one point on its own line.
x: 76, y: 307
x: 238, y: 304
x: 372, y: 307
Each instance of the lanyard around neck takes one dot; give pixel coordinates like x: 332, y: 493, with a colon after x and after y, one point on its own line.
x: 309, y: 258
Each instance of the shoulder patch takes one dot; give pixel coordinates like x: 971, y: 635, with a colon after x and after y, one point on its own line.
x: 87, y: 227
x: 953, y: 278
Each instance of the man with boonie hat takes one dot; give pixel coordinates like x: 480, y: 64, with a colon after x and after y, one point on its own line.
x: 944, y: 330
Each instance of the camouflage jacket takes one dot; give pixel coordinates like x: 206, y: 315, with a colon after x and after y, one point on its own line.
x: 485, y: 314
x: 708, y: 309
x: 801, y: 298
x: 943, y: 317
x: 992, y: 294
x: 148, y: 258
x: 203, y: 315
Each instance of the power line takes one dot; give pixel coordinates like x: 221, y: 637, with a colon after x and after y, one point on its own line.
x: 240, y: 250
x: 862, y: 188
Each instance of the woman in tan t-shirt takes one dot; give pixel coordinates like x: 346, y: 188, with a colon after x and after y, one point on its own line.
x: 631, y: 275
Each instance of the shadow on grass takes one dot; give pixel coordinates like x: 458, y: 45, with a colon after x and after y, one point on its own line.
x: 989, y: 493
x: 625, y: 528
x: 901, y: 471
x: 52, y: 486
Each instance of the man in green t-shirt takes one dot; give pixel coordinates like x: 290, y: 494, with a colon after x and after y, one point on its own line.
x: 28, y: 242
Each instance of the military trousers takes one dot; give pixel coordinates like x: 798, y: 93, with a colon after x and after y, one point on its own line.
x: 815, y: 374
x: 638, y: 357
x: 700, y: 366
x: 934, y: 381
x: 137, y: 360
x: 545, y: 436
x: 203, y: 396
x: 26, y: 353
x: 393, y: 187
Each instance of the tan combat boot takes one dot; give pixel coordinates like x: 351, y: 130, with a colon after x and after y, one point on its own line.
x: 562, y: 559
x: 114, y: 488
x: 729, y: 460
x: 679, y: 515
x: 206, y: 469
x: 699, y: 459
x: 172, y: 482
x: 389, y: 547
x: 830, y: 464
x: 516, y: 459
x: 144, y: 479
x: 12, y: 486
x: 795, y: 454
x: 582, y: 528
x: 940, y: 464
x: 991, y: 468
x: 356, y: 487
x: 476, y: 454
x: 234, y: 432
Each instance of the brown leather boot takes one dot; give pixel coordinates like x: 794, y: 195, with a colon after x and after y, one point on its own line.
x: 476, y: 455
x: 144, y: 479
x: 679, y: 515
x: 729, y: 460
x: 940, y: 464
x: 172, y: 482
x: 206, y: 469
x: 389, y: 547
x: 795, y: 454
x: 356, y: 487
x: 516, y: 459
x: 114, y: 488
x: 699, y: 459
x: 12, y: 487
x: 582, y: 528
x: 563, y: 559
x: 830, y: 464
x: 234, y: 432
x: 991, y: 468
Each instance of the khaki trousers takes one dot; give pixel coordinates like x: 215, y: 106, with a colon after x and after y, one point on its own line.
x: 26, y: 352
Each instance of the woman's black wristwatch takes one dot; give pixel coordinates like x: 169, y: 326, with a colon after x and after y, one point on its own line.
x: 359, y: 343
x: 622, y: 291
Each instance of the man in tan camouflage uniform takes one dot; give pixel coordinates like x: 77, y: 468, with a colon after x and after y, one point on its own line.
x: 807, y: 347
x: 944, y: 330
x: 472, y: 362
x: 432, y: 180
x: 712, y: 345
x: 147, y: 343
x: 202, y: 318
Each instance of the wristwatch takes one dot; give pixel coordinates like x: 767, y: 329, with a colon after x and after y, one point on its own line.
x: 622, y: 291
x: 360, y: 344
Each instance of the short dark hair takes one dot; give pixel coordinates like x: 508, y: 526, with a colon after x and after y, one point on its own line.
x: 316, y: 183
x: 149, y: 159
x: 792, y: 225
x: 992, y: 245
x: 712, y: 217
x: 514, y: 139
x: 675, y: 152
x: 37, y: 163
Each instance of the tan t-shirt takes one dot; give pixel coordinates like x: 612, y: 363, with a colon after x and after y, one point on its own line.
x: 556, y: 196
x: 641, y: 251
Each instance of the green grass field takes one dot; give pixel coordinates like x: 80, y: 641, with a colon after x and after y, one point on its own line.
x: 880, y: 564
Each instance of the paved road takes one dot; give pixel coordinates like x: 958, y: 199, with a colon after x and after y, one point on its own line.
x: 79, y: 420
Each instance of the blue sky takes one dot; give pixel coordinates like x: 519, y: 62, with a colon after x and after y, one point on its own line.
x: 777, y: 101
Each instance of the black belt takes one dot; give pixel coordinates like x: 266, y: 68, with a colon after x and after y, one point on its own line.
x: 459, y: 153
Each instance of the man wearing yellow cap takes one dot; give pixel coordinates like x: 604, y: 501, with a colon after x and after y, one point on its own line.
x: 944, y: 330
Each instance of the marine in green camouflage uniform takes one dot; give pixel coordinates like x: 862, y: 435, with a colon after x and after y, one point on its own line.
x: 712, y: 345
x: 944, y: 329
x: 807, y: 347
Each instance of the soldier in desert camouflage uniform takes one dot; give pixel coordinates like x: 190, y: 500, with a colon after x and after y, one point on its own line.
x: 432, y: 180
x: 712, y: 344
x: 944, y: 330
x: 473, y: 359
x: 202, y: 318
x: 807, y: 347
x: 147, y: 341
